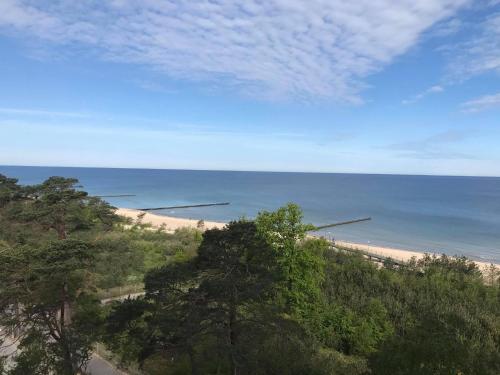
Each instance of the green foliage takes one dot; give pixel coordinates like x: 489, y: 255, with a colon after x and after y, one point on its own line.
x: 456, y: 322
x: 441, y: 318
x: 206, y: 303
x: 253, y: 298
x: 34, y: 357
x: 126, y: 333
x: 41, y: 295
x: 119, y: 261
x: 9, y: 190
x: 124, y: 255
x: 57, y: 204
x: 46, y: 273
x: 300, y: 262
x: 270, y: 300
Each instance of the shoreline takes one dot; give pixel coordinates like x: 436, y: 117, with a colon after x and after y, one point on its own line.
x: 172, y: 223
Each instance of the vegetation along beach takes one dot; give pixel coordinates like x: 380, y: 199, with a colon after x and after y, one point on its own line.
x: 171, y: 224
x: 222, y: 187
x: 159, y: 295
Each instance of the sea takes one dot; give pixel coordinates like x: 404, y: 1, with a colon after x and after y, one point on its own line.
x: 440, y: 214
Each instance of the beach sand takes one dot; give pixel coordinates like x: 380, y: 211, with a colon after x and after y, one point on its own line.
x: 396, y: 254
x: 170, y: 223
x: 173, y: 223
x: 399, y: 254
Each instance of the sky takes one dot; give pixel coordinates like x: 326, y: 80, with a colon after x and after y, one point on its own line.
x: 366, y: 86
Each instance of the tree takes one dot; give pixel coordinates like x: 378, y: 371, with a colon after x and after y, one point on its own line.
x: 211, y: 308
x: 58, y: 205
x: 300, y: 261
x: 239, y: 273
x: 45, y: 290
x: 9, y: 190
x: 12, y: 196
x: 222, y: 312
x: 454, y: 325
x: 36, y: 287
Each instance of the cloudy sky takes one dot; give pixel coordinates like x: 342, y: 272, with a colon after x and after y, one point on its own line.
x: 369, y: 86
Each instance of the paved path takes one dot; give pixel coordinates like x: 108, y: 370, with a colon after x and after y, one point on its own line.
x: 99, y: 366
x: 123, y: 297
x: 7, y: 349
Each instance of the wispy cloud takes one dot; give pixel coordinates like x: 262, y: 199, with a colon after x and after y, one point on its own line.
x: 103, y: 124
x: 41, y: 112
x: 447, y: 28
x: 479, y: 53
x: 436, y: 146
x: 154, y: 86
x: 278, y: 48
x: 90, y: 144
x: 431, y: 90
x: 481, y: 104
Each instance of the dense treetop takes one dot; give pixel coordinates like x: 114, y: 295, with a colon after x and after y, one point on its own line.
x: 256, y: 297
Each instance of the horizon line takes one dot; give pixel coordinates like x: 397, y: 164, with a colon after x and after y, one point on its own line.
x: 248, y: 171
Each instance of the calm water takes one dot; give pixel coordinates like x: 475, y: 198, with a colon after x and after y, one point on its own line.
x: 453, y: 215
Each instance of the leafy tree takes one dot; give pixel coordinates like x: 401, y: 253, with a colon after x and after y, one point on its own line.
x: 40, y: 285
x: 9, y: 190
x: 239, y: 273
x: 58, y: 205
x: 253, y: 298
x: 12, y: 197
x: 118, y: 261
x: 301, y: 269
x: 221, y: 312
x: 455, y: 325
x: 210, y: 301
x: 45, y: 283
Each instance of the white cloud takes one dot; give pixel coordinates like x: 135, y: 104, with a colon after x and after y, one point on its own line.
x: 479, y: 53
x: 481, y: 104
x: 276, y: 48
x: 431, y: 90
x: 447, y: 28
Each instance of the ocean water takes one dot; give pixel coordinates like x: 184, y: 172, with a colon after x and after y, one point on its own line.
x: 451, y: 215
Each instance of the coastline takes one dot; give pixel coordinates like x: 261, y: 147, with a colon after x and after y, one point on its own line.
x: 172, y: 223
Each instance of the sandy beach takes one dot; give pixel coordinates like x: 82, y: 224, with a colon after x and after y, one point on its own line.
x: 170, y: 223
x: 173, y: 223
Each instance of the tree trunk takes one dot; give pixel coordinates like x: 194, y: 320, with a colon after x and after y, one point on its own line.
x: 233, y: 337
x: 65, y: 307
x: 61, y: 231
x: 192, y: 359
x: 69, y: 366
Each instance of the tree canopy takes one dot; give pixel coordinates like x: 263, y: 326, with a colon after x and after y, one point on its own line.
x: 46, y: 273
x: 255, y: 297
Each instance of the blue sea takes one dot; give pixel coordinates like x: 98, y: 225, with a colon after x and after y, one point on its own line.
x: 451, y: 215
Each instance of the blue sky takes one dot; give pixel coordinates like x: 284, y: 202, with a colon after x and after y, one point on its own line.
x: 375, y: 86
